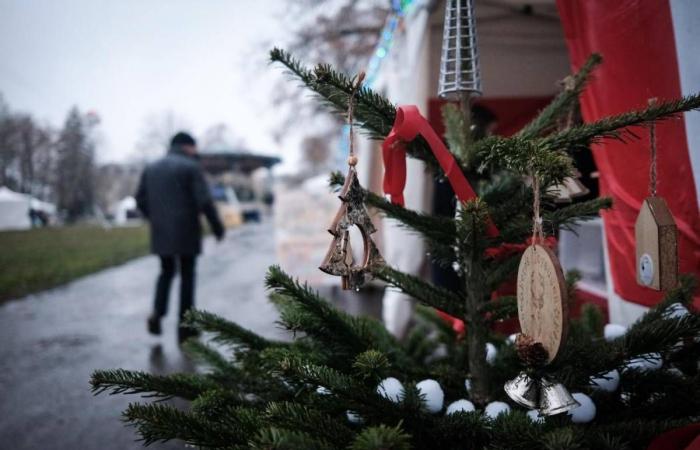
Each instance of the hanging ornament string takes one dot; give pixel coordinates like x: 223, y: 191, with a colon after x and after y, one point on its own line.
x: 537, y: 233
x: 352, y: 159
x: 652, y: 145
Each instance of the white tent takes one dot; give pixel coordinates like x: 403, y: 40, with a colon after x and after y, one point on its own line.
x: 123, y: 209
x: 14, y: 210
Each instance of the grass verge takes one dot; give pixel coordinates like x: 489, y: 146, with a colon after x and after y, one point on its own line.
x: 34, y: 260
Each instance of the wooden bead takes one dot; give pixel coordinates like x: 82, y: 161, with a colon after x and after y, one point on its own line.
x: 352, y: 160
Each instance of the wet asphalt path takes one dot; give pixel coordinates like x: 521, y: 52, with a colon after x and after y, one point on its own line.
x: 52, y: 341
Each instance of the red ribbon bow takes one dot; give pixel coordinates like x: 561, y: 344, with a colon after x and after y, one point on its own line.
x: 408, y: 124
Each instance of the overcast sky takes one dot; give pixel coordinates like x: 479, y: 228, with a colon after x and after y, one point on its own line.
x: 129, y: 60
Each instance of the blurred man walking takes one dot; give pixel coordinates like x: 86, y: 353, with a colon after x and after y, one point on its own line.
x: 172, y: 195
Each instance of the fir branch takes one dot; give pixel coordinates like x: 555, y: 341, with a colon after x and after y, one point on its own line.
x: 121, y: 381
x: 437, y: 229
x: 501, y: 270
x: 374, y: 113
x: 158, y: 422
x: 525, y: 156
x: 347, y: 336
x: 423, y: 291
x: 382, y: 437
x: 371, y: 365
x: 562, y: 102
x: 326, y: 323
x: 216, y: 404
x: 273, y: 438
x: 500, y: 309
x: 569, y: 216
x: 227, y: 332
x: 209, y: 356
x: 298, y: 417
x: 616, y: 126
x: 456, y: 134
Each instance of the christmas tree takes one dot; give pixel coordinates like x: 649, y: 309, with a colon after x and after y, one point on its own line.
x: 345, y: 382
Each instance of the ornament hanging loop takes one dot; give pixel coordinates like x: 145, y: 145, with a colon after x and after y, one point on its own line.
x: 356, y: 86
x: 652, y: 146
x: 537, y: 230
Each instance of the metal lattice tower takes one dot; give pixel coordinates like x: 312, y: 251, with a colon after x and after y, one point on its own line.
x: 459, y: 65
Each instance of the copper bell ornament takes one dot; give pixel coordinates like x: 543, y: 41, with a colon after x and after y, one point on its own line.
x: 523, y: 390
x: 555, y: 399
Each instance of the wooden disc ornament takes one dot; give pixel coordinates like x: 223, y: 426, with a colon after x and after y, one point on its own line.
x: 542, y: 299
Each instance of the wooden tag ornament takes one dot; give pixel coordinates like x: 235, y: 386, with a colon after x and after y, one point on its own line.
x: 656, y: 237
x: 542, y: 299
x: 656, y: 234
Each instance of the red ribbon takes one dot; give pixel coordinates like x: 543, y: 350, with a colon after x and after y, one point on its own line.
x: 685, y: 438
x: 508, y: 249
x: 408, y: 124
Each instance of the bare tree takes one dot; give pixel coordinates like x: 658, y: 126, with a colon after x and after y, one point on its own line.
x: 75, y: 166
x: 35, y: 157
x: 115, y: 181
x: 8, y: 147
x: 156, y: 133
x: 220, y: 136
x: 26, y: 153
x: 343, y: 33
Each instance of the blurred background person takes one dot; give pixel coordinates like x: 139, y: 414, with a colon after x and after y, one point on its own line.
x: 172, y: 194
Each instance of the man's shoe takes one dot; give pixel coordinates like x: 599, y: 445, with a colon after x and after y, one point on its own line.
x: 154, y: 325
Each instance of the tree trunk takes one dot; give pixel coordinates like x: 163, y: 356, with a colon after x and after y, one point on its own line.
x: 477, y: 333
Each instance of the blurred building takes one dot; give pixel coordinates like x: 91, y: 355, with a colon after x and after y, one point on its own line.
x: 241, y: 183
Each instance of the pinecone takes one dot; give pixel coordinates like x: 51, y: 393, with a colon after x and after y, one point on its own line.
x: 530, y: 352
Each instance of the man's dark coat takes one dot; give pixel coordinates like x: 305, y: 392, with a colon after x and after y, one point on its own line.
x: 172, y: 194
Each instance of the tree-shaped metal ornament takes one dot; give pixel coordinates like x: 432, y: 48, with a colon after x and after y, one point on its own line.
x: 339, y: 260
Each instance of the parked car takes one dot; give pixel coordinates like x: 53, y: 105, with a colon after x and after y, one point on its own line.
x: 228, y: 206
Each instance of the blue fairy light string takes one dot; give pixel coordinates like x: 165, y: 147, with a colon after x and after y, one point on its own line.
x: 386, y: 41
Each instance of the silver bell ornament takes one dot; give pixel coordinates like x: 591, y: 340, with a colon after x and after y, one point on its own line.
x: 523, y: 390
x: 555, y: 399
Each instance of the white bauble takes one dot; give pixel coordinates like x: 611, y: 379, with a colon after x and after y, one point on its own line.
x: 614, y: 331
x: 353, y: 417
x: 433, y: 395
x: 675, y: 311
x: 439, y: 352
x: 607, y: 382
x: 392, y: 389
x: 491, y: 353
x: 535, y: 416
x: 461, y: 405
x: 585, y: 412
x: 323, y: 391
x: 495, y: 409
x: 468, y: 384
x: 646, y: 362
x: 511, y: 339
